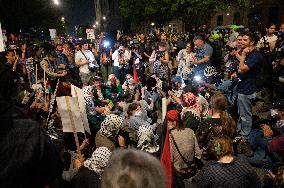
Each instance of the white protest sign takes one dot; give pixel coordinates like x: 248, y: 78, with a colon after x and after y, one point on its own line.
x: 2, y: 45
x: 52, y: 33
x: 78, y: 93
x: 164, y: 108
x: 70, y: 114
x: 90, y: 34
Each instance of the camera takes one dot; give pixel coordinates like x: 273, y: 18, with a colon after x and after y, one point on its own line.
x: 120, y: 51
x: 159, y: 54
x: 230, y: 48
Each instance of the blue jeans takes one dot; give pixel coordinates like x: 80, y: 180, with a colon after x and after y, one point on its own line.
x: 230, y: 93
x: 245, y: 113
x: 259, y: 143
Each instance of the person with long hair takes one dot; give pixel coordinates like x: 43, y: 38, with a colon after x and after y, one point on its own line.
x: 228, y: 170
x: 219, y: 124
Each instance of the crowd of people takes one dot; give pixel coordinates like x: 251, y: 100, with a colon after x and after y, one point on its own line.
x: 202, y: 109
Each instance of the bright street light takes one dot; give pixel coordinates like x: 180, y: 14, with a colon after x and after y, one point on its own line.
x: 152, y: 24
x: 104, y: 18
x: 228, y: 14
x: 94, y: 26
x: 62, y: 19
x: 170, y: 25
x: 56, y: 2
x: 97, y: 23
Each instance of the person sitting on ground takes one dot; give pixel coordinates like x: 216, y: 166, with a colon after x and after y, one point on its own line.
x: 90, y: 172
x: 219, y: 124
x: 183, y: 144
x: 108, y: 131
x: 228, y: 171
x: 133, y: 169
x: 138, y: 116
x: 147, y: 140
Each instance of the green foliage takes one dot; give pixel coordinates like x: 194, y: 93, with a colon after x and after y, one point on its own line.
x: 162, y: 11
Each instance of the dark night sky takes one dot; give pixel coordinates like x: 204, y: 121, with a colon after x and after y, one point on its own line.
x: 25, y: 14
x: 78, y: 12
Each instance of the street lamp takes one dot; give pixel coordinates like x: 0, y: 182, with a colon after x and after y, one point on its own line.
x: 62, y: 19
x: 56, y: 2
x: 104, y: 18
x: 152, y: 24
x: 170, y: 25
x: 97, y: 23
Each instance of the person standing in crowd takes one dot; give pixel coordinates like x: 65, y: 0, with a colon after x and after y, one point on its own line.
x: 62, y: 58
x: 185, y: 58
x: 249, y: 70
x: 232, y: 59
x: 83, y: 58
x: 160, y: 59
x: 228, y: 171
x: 16, y: 68
x: 163, y: 38
x: 120, y: 59
x: 267, y: 42
x: 204, y: 53
x: 30, y: 66
x: 106, y: 62
x: 49, y: 65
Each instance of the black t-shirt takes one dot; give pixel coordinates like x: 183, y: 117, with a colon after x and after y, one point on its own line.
x: 255, y: 61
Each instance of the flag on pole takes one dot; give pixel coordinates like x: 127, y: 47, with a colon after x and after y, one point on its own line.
x: 135, y: 75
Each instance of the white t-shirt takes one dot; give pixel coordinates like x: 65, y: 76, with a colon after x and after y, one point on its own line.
x: 269, y: 39
x: 79, y: 57
x: 115, y: 56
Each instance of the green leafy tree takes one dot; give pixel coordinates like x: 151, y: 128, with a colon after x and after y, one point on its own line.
x: 139, y: 11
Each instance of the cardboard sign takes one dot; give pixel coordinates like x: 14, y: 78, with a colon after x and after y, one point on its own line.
x: 52, y: 33
x: 78, y: 93
x: 70, y: 114
x: 90, y: 34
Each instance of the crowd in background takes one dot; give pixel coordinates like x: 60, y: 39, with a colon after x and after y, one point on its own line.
x: 223, y: 125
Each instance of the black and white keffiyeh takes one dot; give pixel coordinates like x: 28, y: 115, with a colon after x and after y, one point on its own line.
x: 99, y: 160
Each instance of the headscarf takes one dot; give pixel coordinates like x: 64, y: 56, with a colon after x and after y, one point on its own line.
x: 172, y: 115
x: 191, y: 104
x: 111, y: 125
x: 146, y: 139
x: 189, y: 99
x: 99, y: 160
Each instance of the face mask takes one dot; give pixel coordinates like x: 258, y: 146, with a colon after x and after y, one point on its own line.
x: 138, y: 113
